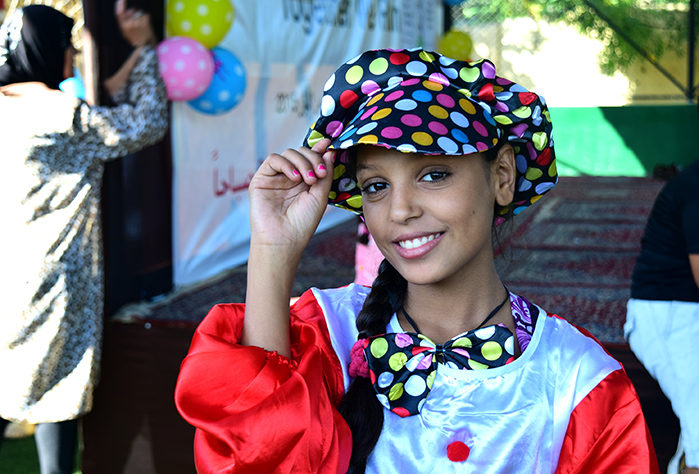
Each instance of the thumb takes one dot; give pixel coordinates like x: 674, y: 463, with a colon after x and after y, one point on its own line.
x: 321, y: 146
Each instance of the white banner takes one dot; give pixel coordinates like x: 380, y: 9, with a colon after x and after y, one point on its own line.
x: 288, y: 48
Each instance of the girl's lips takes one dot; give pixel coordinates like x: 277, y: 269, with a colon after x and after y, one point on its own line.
x: 416, y: 247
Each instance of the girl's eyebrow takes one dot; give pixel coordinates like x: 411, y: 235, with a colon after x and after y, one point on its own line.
x: 364, y: 167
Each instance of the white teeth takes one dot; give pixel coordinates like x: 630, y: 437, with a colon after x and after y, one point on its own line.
x: 414, y: 243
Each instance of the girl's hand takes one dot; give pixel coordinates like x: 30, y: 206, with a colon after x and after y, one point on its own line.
x: 288, y: 196
x: 134, y: 24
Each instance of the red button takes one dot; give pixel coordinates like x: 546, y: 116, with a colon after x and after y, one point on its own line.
x: 458, y: 451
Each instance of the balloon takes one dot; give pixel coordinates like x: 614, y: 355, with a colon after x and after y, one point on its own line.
x: 74, y: 85
x: 227, y: 87
x: 206, y: 21
x: 186, y: 67
x: 456, y: 44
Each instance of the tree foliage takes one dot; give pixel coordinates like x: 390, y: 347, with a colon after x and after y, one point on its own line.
x: 623, y: 26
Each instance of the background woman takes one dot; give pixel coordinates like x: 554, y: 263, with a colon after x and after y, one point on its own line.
x: 54, y: 147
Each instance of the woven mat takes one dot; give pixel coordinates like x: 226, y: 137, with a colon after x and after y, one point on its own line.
x: 327, y: 262
x: 574, y: 253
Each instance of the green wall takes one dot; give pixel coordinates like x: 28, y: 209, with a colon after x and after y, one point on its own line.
x: 623, y: 141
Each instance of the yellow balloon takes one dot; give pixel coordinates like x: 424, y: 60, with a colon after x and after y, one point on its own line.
x: 206, y: 21
x: 456, y: 44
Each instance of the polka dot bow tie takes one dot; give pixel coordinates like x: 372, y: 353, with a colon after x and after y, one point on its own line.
x: 402, y: 366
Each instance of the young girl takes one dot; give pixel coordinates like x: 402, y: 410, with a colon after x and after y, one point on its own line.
x: 436, y: 367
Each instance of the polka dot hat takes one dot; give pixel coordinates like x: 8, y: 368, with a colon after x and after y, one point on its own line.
x: 417, y: 101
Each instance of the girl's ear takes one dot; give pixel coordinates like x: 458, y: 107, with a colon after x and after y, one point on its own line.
x: 505, y: 174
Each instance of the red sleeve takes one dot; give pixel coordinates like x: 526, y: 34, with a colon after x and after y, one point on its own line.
x: 607, y: 432
x: 257, y: 411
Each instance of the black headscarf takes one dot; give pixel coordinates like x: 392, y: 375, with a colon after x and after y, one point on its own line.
x: 33, y: 41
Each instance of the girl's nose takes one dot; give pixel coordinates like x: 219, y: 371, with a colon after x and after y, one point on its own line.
x: 405, y: 204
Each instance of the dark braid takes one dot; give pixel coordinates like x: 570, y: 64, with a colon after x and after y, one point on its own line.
x: 359, y: 407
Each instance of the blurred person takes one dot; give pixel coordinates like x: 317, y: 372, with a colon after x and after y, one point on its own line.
x: 367, y: 257
x: 54, y: 147
x: 662, y: 320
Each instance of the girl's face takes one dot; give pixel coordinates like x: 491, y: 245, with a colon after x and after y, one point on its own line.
x: 430, y: 215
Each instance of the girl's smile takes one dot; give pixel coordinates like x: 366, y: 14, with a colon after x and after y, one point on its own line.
x: 415, y: 247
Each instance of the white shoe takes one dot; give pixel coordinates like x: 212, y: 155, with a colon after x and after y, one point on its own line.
x: 677, y: 463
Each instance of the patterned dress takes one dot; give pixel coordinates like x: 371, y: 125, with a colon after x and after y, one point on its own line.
x: 53, y: 150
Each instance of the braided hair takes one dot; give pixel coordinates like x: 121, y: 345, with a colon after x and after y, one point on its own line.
x: 359, y: 407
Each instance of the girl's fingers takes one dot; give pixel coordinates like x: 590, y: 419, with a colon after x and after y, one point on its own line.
x: 329, y: 158
x: 310, y: 165
x: 306, y: 162
x: 326, y: 156
x: 321, y: 146
x: 276, y: 164
x: 302, y: 164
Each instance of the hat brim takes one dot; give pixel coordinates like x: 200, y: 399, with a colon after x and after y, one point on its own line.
x: 412, y: 116
x: 421, y: 102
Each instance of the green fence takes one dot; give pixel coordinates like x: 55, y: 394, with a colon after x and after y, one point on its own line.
x: 624, y: 141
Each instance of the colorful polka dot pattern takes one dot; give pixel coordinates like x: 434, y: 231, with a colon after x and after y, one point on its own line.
x: 402, y: 366
x: 417, y: 101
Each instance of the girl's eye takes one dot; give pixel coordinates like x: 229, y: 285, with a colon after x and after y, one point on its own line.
x: 435, y: 176
x: 373, y: 187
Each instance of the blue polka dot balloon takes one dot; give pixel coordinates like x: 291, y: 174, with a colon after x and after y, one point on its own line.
x: 227, y: 87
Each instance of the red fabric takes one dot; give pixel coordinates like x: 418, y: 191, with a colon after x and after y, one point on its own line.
x: 607, y: 433
x: 225, y: 389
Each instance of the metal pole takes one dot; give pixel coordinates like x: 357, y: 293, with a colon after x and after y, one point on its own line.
x: 448, y: 22
x: 690, y: 52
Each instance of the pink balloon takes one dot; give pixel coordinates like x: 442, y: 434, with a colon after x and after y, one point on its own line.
x: 186, y: 67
